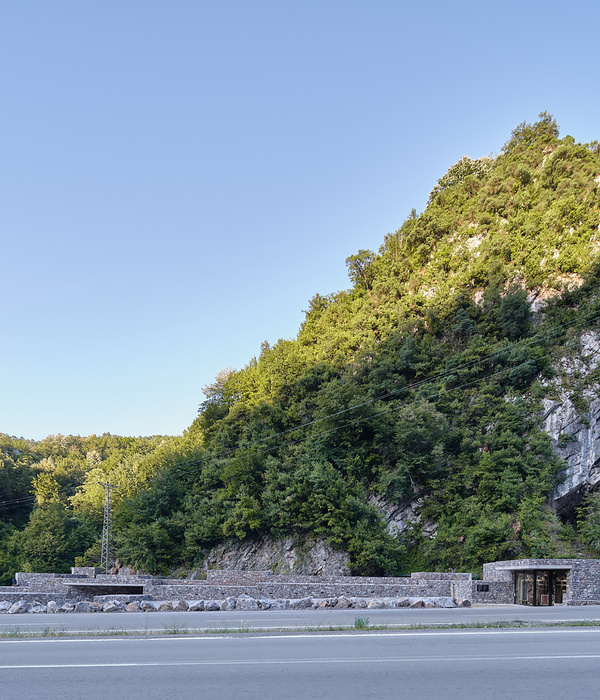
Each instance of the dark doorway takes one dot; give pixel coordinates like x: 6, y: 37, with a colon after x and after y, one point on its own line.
x: 540, y: 587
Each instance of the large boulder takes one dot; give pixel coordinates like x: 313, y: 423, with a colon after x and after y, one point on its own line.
x: 211, y: 605
x: 147, y: 606
x: 301, y: 603
x: 4, y: 606
x: 280, y: 604
x: 229, y: 603
x: 37, y: 607
x: 82, y: 606
x: 246, y: 602
x: 444, y: 602
x: 113, y: 606
x: 327, y: 602
x: 344, y: 602
x: 165, y: 606
x: 21, y: 606
x: 196, y: 605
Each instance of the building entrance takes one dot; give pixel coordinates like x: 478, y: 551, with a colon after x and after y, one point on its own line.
x: 540, y: 587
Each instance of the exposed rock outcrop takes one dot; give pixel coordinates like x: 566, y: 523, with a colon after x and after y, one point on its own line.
x: 575, y: 432
x: 314, y: 557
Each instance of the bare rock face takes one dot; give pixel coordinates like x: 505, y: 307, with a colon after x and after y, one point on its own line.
x: 578, y: 443
x: 575, y: 434
x: 316, y: 557
x: 397, y: 516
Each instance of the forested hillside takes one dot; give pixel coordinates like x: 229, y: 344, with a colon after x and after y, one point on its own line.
x: 402, y: 425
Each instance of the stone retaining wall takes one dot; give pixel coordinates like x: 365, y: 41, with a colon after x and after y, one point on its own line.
x: 241, y: 578
x: 315, y: 589
x: 583, y: 585
x: 498, y: 593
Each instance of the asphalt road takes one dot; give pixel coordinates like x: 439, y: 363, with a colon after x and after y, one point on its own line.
x: 491, y: 664
x: 285, y: 619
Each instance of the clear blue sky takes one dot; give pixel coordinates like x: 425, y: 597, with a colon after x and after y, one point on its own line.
x: 179, y: 178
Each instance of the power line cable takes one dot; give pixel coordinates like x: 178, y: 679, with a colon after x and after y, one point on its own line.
x: 17, y: 500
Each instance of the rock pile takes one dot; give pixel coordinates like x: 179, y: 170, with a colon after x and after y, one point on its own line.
x: 241, y: 602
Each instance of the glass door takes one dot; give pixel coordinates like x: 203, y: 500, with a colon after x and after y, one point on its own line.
x: 542, y: 588
x: 560, y: 586
x: 524, y: 582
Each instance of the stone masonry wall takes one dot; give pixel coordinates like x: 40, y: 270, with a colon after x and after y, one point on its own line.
x: 583, y: 576
x: 498, y: 593
x: 584, y: 588
x: 227, y: 583
x: 290, y: 589
x: 583, y: 584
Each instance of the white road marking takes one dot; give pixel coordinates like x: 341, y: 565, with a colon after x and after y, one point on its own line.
x: 350, y: 634
x: 301, y: 662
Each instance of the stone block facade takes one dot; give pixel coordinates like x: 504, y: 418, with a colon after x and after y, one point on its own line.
x: 89, y: 584
x: 496, y: 587
x: 582, y: 575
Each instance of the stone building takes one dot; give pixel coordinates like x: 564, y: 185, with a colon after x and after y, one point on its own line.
x: 540, y: 582
x: 520, y: 581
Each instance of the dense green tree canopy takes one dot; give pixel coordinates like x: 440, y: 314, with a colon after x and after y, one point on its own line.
x: 416, y: 391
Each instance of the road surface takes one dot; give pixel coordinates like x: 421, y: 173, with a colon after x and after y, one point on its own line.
x: 417, y: 665
x: 286, y: 619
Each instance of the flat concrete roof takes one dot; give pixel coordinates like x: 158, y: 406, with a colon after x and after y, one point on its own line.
x: 100, y: 584
x: 536, y: 567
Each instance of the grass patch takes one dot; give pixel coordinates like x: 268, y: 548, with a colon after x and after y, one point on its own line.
x: 174, y: 628
x: 361, y: 623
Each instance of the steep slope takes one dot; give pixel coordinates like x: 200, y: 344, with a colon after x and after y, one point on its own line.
x: 440, y: 413
x: 405, y: 424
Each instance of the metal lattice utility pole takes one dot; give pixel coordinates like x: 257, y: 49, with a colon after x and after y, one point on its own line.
x: 105, y: 554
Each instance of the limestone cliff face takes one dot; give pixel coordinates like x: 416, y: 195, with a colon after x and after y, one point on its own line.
x: 575, y: 432
x: 577, y: 441
x: 314, y: 557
